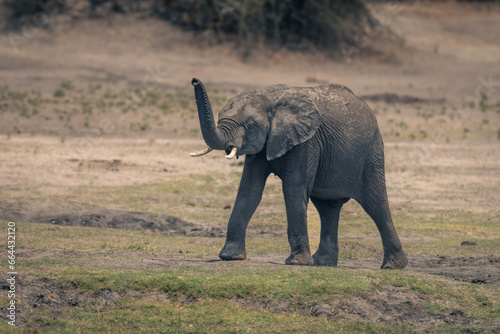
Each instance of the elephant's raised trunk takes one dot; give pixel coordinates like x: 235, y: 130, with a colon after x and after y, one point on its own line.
x: 211, y: 134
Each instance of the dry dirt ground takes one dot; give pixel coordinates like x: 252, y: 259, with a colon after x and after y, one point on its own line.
x: 435, y: 53
x: 445, y: 178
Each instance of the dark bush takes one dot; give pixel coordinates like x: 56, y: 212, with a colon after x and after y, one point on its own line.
x: 22, y: 7
x: 293, y: 23
x: 19, y: 12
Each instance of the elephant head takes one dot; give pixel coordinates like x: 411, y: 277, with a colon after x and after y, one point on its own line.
x: 276, y: 119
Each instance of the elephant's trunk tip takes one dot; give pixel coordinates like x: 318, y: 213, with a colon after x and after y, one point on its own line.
x: 195, y: 82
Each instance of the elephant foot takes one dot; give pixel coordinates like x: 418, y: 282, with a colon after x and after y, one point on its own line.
x: 324, y: 259
x: 396, y: 260
x: 232, y: 252
x: 301, y: 259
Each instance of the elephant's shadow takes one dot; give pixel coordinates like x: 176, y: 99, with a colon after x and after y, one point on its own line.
x: 273, y: 260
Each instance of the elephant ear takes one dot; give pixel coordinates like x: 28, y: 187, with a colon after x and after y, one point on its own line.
x: 295, y: 120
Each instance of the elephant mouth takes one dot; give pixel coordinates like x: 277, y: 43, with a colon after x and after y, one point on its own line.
x: 231, y: 152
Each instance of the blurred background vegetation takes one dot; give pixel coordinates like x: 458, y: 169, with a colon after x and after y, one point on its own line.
x: 294, y: 24
x: 291, y: 23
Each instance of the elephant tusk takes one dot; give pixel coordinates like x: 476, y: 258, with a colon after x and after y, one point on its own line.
x: 232, y: 154
x: 201, y: 153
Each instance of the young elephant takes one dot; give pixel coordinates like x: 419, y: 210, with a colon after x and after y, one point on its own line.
x: 325, y: 145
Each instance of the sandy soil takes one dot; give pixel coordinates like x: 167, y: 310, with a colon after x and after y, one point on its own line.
x: 421, y: 175
x: 443, y: 55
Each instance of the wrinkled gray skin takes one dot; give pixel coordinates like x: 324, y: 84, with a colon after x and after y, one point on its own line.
x: 325, y: 145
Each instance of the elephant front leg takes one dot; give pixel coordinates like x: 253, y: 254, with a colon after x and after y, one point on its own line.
x: 249, y: 195
x: 296, y: 200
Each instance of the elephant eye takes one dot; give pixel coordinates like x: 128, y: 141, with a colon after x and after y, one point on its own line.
x: 249, y: 125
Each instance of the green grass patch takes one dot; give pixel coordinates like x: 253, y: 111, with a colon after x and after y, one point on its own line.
x: 207, y: 316
x: 303, y: 285
x: 102, y: 259
x: 299, y: 286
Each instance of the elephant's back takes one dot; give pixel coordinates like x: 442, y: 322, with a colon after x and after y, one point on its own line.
x: 344, y: 113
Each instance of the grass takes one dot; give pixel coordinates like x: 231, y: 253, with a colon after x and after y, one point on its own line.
x: 213, y: 195
x: 129, y: 109
x: 190, y: 293
x: 59, y: 93
x: 203, y: 198
x: 196, y: 298
x: 139, y: 111
x: 428, y: 239
x: 207, y: 316
x: 298, y: 285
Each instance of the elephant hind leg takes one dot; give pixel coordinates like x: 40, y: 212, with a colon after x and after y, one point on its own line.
x: 374, y: 201
x: 296, y: 200
x: 329, y: 212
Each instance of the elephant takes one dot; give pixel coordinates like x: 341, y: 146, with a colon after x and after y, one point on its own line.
x: 324, y: 144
